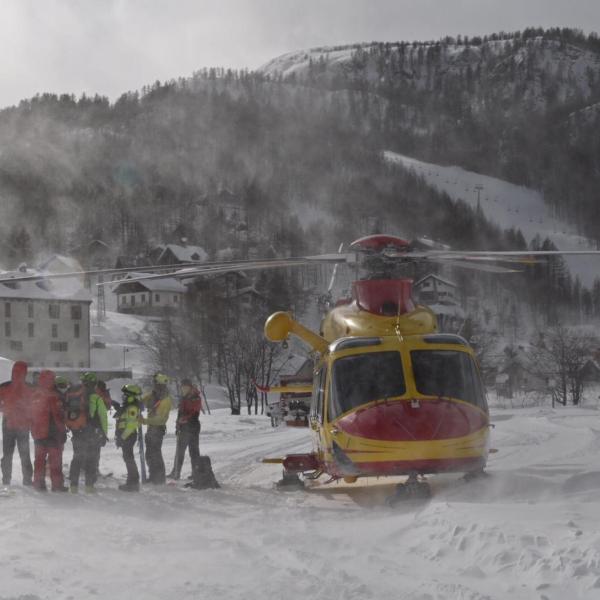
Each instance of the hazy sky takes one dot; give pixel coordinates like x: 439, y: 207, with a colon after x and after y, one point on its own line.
x: 111, y: 46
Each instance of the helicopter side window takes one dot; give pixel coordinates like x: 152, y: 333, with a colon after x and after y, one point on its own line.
x: 364, y: 378
x: 448, y: 373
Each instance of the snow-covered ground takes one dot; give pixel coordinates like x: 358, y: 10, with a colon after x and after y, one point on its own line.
x: 530, y: 530
x: 507, y: 205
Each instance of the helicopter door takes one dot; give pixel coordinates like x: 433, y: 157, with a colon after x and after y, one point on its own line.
x: 317, y: 406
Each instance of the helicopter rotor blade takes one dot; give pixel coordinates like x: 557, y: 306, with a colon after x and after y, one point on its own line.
x: 475, y: 266
x: 252, y: 265
x: 184, y: 269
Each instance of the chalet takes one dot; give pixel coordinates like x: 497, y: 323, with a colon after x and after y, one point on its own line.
x: 45, y: 325
x: 94, y: 254
x: 58, y: 263
x: 173, y: 254
x: 150, y: 296
x: 441, y: 295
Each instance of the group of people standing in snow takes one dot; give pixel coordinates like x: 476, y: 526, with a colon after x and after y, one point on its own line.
x: 54, y: 406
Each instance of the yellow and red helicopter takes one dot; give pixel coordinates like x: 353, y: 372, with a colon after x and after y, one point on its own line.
x: 391, y: 395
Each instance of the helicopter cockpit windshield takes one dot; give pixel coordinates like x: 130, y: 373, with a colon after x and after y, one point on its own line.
x: 364, y: 378
x: 449, y: 374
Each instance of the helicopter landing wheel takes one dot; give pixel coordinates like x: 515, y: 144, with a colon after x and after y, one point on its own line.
x: 411, y: 489
x: 290, y: 481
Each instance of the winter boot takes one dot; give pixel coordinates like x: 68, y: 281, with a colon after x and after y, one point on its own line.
x: 74, y: 489
x: 62, y: 488
x: 130, y: 487
x: 90, y: 489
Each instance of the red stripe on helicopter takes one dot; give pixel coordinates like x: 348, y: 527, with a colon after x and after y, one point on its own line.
x: 413, y: 421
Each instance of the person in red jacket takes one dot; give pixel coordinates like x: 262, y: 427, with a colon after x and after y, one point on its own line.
x: 15, y: 403
x: 187, y: 427
x: 49, y: 433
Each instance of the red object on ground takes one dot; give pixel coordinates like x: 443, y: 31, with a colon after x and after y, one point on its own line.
x: 379, y: 242
x: 384, y: 297
x: 298, y: 463
x: 15, y: 399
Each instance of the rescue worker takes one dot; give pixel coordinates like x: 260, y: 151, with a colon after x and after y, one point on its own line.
x: 128, y: 417
x: 49, y: 433
x: 62, y: 385
x: 187, y: 427
x: 86, y: 417
x: 158, y: 403
x: 15, y: 403
x: 104, y: 393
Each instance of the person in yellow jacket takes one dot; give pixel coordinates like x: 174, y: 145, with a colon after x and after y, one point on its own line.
x: 159, y: 404
x: 128, y: 417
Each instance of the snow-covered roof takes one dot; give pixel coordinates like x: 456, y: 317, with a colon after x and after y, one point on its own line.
x: 65, y: 289
x: 168, y: 284
x: 436, y: 277
x: 185, y: 253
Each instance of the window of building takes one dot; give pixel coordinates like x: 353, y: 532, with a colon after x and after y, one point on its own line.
x: 54, y: 311
x: 123, y: 299
x: 132, y: 300
x: 143, y: 298
x: 76, y: 330
x: 59, y: 346
x: 7, y: 309
x: 6, y: 328
x: 54, y: 331
x: 81, y: 364
x: 30, y: 330
x: 157, y: 297
x: 76, y: 312
x: 30, y: 311
x: 176, y: 299
x: 16, y: 345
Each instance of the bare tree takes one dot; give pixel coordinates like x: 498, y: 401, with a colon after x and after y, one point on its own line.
x: 558, y: 355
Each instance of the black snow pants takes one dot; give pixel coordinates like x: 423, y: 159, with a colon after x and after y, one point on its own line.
x: 188, y: 439
x: 154, y: 458
x: 20, y: 439
x: 127, y: 446
x: 86, y: 448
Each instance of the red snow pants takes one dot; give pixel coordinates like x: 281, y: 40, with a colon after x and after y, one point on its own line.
x: 54, y: 456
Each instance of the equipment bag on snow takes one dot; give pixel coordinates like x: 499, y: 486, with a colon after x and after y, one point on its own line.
x: 77, y: 409
x: 202, y: 475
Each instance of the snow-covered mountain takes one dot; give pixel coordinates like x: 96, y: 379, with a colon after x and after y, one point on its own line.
x: 508, y: 206
x: 513, y: 65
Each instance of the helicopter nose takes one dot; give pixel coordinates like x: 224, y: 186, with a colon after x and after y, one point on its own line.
x: 414, y: 419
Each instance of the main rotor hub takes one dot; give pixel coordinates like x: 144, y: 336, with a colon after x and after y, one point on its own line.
x: 384, y: 297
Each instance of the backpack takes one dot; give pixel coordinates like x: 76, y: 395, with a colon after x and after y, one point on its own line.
x: 77, y: 408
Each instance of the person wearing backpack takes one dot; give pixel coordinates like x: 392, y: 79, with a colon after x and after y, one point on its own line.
x: 188, y: 427
x: 86, y: 417
x: 15, y: 403
x: 49, y: 433
x: 159, y: 404
x: 128, y: 416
